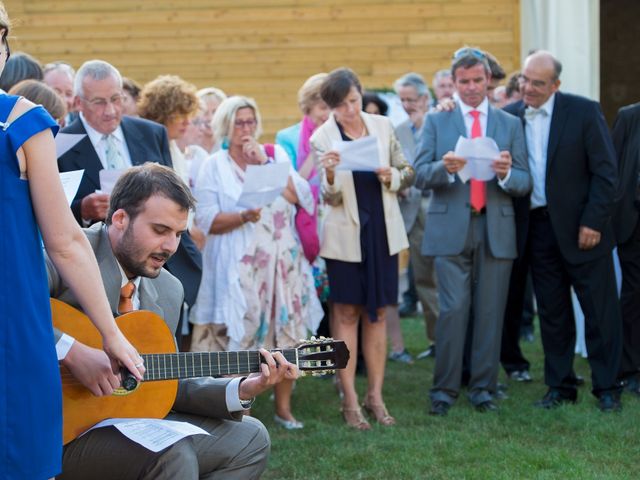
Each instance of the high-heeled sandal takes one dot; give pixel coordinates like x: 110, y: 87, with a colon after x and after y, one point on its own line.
x: 353, y: 418
x: 379, y: 412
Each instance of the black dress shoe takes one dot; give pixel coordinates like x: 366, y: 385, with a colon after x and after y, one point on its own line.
x: 555, y: 398
x: 609, y: 402
x: 487, y: 406
x: 632, y: 385
x: 429, y: 352
x: 439, y: 408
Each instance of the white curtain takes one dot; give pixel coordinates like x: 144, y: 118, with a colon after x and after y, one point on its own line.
x: 570, y: 30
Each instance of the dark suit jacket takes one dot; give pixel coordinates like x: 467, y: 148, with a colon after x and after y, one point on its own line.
x: 626, y: 140
x: 161, y: 295
x: 581, y: 177
x: 147, y: 142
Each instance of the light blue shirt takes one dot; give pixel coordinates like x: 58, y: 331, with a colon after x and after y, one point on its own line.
x: 537, y: 126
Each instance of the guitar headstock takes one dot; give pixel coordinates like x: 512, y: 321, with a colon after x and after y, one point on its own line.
x: 321, y: 355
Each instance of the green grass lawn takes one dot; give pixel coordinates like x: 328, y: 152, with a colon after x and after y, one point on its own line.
x: 518, y: 442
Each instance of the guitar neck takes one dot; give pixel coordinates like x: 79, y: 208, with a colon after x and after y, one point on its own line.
x: 172, y: 366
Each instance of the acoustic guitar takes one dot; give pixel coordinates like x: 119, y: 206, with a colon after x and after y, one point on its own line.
x: 154, y: 396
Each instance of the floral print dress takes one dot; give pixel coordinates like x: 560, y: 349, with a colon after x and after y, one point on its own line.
x: 282, y: 305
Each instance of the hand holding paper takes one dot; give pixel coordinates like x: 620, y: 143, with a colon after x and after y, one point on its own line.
x: 502, y: 165
x: 263, y: 184
x: 480, y: 154
x: 358, y: 155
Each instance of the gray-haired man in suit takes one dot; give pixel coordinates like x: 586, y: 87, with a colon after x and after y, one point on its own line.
x: 471, y: 232
x: 415, y: 98
x: 147, y: 215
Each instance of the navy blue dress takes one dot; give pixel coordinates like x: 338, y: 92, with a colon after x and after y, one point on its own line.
x: 373, y: 282
x: 30, y: 395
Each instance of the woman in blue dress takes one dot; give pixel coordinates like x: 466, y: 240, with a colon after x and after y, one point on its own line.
x: 33, y: 209
x: 362, y: 235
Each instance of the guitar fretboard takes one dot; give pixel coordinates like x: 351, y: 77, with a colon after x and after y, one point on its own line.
x: 168, y: 366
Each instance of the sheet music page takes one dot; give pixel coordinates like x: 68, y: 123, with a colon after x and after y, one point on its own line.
x: 70, y: 183
x: 66, y: 141
x: 480, y: 153
x: 358, y: 155
x: 152, y: 433
x: 263, y: 184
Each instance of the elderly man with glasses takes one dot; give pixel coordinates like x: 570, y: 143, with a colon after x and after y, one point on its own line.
x: 112, y: 141
x: 415, y: 98
x: 115, y: 141
x: 471, y: 231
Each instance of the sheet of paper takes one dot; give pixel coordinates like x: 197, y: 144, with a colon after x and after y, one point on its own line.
x: 358, y: 155
x: 108, y: 179
x: 263, y: 184
x: 71, y: 183
x: 152, y: 433
x: 480, y: 153
x: 66, y: 141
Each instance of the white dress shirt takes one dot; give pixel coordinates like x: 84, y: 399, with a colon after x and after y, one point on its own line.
x: 466, y: 110
x: 100, y: 144
x: 537, y: 126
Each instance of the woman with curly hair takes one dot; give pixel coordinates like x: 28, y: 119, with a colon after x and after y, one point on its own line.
x: 171, y: 101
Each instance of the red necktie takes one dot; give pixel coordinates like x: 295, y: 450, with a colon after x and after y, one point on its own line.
x: 478, y: 187
x: 126, y: 295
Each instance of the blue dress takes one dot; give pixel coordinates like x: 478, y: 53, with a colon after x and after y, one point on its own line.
x: 373, y: 282
x: 30, y: 394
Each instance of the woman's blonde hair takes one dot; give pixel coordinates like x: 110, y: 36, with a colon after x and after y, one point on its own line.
x: 225, y: 116
x: 211, y: 92
x: 4, y: 19
x: 309, y: 93
x: 165, y: 96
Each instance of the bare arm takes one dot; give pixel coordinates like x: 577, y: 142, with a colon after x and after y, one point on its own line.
x: 68, y: 247
x: 225, y: 222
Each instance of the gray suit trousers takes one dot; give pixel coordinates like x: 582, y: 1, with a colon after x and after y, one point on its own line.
x: 424, y: 274
x: 472, y: 280
x: 234, y: 450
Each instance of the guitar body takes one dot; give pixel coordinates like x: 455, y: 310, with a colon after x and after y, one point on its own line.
x: 81, y: 409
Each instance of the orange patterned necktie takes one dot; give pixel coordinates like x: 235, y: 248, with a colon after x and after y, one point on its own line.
x: 126, y: 295
x: 478, y: 187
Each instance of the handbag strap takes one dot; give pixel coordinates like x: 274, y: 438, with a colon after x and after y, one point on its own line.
x: 270, y: 150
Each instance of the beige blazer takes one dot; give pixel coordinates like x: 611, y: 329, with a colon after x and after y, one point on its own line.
x: 340, y: 237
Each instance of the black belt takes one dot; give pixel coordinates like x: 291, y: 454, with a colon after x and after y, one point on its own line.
x: 477, y: 213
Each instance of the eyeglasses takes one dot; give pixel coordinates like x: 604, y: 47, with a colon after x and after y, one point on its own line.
x: 474, y: 52
x: 5, y: 42
x: 101, y: 103
x: 199, y: 122
x: 410, y: 101
x: 245, y: 123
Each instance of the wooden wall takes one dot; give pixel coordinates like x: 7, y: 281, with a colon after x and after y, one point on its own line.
x: 265, y: 49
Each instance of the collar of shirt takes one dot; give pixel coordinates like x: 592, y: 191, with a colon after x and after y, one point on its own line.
x: 136, y: 281
x: 547, y: 106
x: 96, y: 137
x: 483, y: 108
